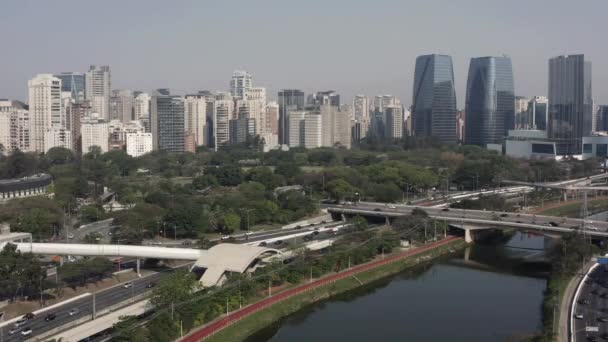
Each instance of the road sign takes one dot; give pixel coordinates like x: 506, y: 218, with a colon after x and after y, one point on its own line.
x: 592, y: 329
x: 602, y: 261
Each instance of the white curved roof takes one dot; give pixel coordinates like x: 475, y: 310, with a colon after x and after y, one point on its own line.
x: 232, y: 257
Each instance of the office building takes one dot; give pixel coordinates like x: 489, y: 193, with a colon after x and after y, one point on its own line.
x: 434, y: 99
x: 323, y: 98
x: 240, y: 84
x: 139, y: 144
x: 122, y: 105
x: 361, y: 115
x: 94, y: 132
x: 602, y: 118
x: 305, y: 129
x: 74, y: 83
x: 538, y: 110
x: 141, y: 110
x: 490, y: 101
x: 394, y: 122
x: 98, y: 88
x: 44, y: 108
x: 522, y: 115
x: 272, y: 118
x: 289, y: 100
x: 118, y: 130
x: 335, y: 125
x: 14, y: 126
x: 570, y: 102
x: 238, y: 131
x: 167, y: 121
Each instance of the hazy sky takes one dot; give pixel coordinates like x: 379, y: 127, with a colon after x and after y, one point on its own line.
x: 350, y: 46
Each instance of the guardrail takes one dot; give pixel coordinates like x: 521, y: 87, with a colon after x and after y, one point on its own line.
x: 571, y: 332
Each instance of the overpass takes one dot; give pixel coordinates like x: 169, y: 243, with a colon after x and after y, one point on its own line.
x: 470, y: 220
x: 217, y: 260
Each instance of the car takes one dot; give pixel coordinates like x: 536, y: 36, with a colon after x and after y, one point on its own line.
x: 603, y: 319
x: 308, y: 237
x: 445, y: 209
x: 518, y: 221
x: 226, y: 237
x: 73, y: 312
x: 390, y: 206
x: 26, y: 331
x: 14, y: 330
x: 128, y: 285
x: 377, y: 209
x: 263, y: 244
x: 150, y: 285
x: 578, y: 316
x: 583, y: 301
x: 21, y: 322
x: 50, y: 317
x: 187, y: 243
x: 298, y: 227
x: 70, y: 236
x: 553, y: 224
x: 29, y: 315
x: 316, y: 232
x: 278, y: 242
x: 503, y: 215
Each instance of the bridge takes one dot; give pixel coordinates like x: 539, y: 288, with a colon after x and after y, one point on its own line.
x: 471, y: 220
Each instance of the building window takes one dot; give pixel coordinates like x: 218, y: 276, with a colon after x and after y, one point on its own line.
x: 601, y: 150
x: 587, y: 148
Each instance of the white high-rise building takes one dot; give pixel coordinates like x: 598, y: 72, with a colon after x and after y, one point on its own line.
x: 223, y: 113
x: 336, y: 126
x: 240, y: 84
x: 139, y: 144
x: 313, y: 130
x: 44, y: 107
x: 394, y: 122
x: 141, y: 109
x: 98, y: 88
x: 195, y: 121
x: 94, y: 132
x: 272, y: 118
x: 14, y: 126
x: 57, y: 137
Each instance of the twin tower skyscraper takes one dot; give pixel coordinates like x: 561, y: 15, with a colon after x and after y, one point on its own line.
x: 490, y: 100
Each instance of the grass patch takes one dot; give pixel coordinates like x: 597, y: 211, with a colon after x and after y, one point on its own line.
x: 251, y: 324
x: 573, y: 210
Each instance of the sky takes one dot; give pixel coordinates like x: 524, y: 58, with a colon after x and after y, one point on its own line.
x: 351, y: 46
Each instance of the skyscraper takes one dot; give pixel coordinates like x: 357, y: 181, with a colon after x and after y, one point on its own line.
x: 321, y: 98
x: 73, y: 82
x: 434, y: 98
x: 289, y: 100
x: 394, y: 122
x: 141, y: 110
x: 240, y: 83
x: 195, y: 124
x: 97, y: 90
x: 44, y: 108
x: 223, y: 112
x: 570, y: 102
x: 122, y: 105
x: 490, y: 100
x: 14, y: 126
x: 522, y: 114
x: 167, y: 121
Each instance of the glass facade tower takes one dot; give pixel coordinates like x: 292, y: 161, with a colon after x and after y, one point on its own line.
x: 74, y: 82
x: 490, y: 100
x: 434, y: 98
x: 570, y: 102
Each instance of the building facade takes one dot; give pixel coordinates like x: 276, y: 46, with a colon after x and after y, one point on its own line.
x: 195, y: 121
x: 167, y: 121
x: 14, y: 126
x: 570, y: 102
x: 538, y: 109
x: 490, y: 101
x: 138, y: 144
x: 74, y: 83
x: 240, y: 84
x: 394, y: 122
x: 223, y: 113
x: 141, y: 110
x: 289, y: 100
x: 434, y: 98
x: 44, y: 108
x: 94, y: 131
x: 122, y: 105
x: 98, y: 90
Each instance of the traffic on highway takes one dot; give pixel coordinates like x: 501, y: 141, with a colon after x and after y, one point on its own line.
x: 590, y: 310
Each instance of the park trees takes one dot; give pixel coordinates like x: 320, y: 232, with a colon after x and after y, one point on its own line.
x: 19, y: 273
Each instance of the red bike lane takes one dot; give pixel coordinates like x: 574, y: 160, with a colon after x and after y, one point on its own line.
x: 220, y: 323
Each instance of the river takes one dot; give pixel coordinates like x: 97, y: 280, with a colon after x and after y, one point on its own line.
x: 491, y: 292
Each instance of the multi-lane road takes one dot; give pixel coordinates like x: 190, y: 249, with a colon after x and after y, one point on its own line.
x: 591, y: 308
x: 103, y: 300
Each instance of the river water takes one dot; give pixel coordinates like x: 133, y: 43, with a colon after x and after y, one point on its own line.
x: 491, y: 292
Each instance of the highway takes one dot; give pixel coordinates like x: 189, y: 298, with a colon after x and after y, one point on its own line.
x: 478, y: 217
x: 592, y: 303
x: 103, y: 300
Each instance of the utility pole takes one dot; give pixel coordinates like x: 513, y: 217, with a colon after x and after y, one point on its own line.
x: 311, y: 274
x: 172, y: 309
x: 181, y: 328
x: 1, y: 326
x: 435, y: 230
x: 227, y: 298
x: 94, y: 310
x: 269, y: 288
x: 424, y: 231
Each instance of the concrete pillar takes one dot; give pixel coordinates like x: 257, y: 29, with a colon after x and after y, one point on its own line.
x: 343, y: 217
x: 468, y: 238
x: 137, y: 263
x: 467, y: 254
x: 387, y: 220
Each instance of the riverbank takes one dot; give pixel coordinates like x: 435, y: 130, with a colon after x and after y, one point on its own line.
x: 242, y: 326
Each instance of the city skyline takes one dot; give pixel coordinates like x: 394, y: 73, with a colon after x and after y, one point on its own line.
x: 347, y: 64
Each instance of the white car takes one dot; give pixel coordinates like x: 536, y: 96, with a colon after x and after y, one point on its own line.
x: 14, y: 330
x: 21, y: 322
x: 73, y: 312
x: 578, y: 316
x: 128, y: 285
x: 26, y: 332
x: 71, y: 236
x: 226, y: 237
x: 390, y: 206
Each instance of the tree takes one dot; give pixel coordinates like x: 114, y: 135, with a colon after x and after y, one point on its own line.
x: 204, y: 181
x: 288, y: 169
x: 59, y: 156
x: 174, y: 289
x: 19, y: 164
x: 340, y: 189
x: 90, y: 213
x: 92, y: 238
x: 226, y: 175
x: 231, y: 222
x: 19, y: 273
